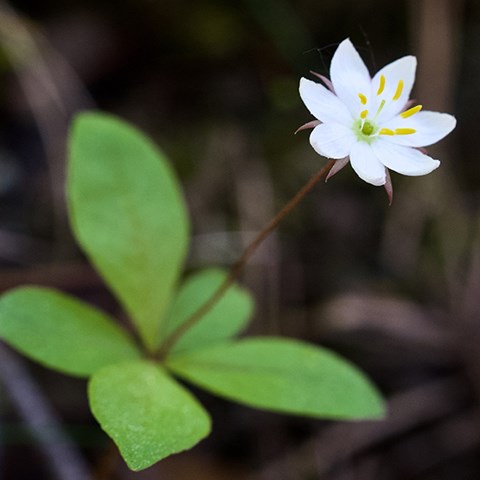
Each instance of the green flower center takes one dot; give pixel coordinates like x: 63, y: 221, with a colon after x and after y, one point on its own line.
x: 365, y: 130
x: 368, y: 128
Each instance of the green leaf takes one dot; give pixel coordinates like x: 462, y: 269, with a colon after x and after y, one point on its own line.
x: 227, y: 317
x: 128, y: 215
x: 282, y: 375
x: 61, y: 332
x: 148, y: 415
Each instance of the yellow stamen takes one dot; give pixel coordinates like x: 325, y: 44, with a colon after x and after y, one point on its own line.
x: 411, y: 111
x: 404, y: 131
x: 381, y: 86
x: 386, y: 131
x: 363, y: 114
x: 399, y: 90
x: 362, y: 98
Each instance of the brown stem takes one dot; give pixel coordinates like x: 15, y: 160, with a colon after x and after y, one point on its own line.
x: 239, y: 265
x: 107, y: 464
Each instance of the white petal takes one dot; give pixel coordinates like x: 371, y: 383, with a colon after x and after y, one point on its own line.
x: 366, y: 164
x: 332, y: 140
x: 323, y: 104
x: 403, y: 70
x: 430, y: 128
x: 349, y: 76
x: 404, y: 160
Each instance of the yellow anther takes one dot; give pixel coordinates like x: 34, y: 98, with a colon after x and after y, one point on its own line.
x: 362, y: 98
x: 404, y: 131
x: 399, y: 90
x: 381, y: 86
x: 386, y: 131
x: 411, y: 111
x: 363, y: 114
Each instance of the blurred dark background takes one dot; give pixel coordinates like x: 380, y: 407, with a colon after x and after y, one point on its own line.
x: 215, y: 83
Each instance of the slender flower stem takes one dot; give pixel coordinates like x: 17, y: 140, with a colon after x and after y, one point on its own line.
x: 239, y: 265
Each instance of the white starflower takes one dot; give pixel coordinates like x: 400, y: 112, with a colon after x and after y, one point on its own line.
x: 370, y: 121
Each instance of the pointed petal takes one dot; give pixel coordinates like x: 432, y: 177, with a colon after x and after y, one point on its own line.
x: 366, y: 164
x: 323, y: 104
x: 308, y: 125
x: 404, y: 160
x: 332, y: 140
x: 402, y: 70
x: 430, y: 128
x: 337, y: 166
x: 349, y: 76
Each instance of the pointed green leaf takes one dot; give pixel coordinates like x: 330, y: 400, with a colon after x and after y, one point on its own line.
x: 147, y: 413
x: 282, y: 375
x: 128, y: 214
x: 61, y: 332
x: 227, y: 317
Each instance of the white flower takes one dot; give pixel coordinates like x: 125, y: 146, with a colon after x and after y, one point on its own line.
x: 370, y: 121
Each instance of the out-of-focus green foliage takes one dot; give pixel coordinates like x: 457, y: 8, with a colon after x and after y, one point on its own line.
x: 146, y: 412
x: 62, y: 332
x: 128, y: 214
x: 282, y: 375
x: 226, y: 319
